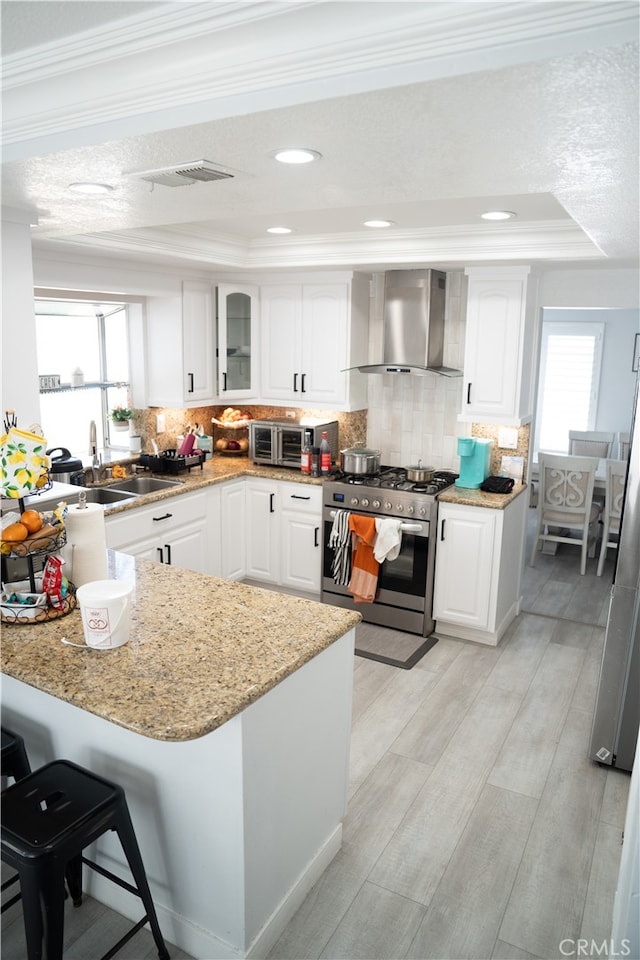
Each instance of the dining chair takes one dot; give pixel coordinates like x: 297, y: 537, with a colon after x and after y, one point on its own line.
x: 591, y: 443
x: 623, y: 446
x: 565, y: 503
x: 616, y: 474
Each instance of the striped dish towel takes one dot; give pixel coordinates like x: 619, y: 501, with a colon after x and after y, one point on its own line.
x: 340, y: 543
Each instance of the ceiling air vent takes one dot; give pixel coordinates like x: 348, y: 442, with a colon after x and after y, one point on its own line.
x: 183, y: 174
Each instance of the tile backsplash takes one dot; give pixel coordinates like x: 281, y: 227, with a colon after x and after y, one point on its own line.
x: 352, y: 426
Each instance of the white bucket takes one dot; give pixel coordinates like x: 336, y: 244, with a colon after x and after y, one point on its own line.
x: 105, y: 608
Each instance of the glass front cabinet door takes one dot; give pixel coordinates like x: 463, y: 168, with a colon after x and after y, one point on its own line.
x: 237, y: 348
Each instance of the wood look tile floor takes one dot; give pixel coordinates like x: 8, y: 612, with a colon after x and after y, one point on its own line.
x: 477, y: 826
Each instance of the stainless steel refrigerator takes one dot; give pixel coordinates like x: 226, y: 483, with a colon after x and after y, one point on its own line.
x: 617, y: 714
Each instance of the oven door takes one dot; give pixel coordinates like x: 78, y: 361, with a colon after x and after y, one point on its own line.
x: 264, y: 447
x: 290, y: 446
x: 402, y: 582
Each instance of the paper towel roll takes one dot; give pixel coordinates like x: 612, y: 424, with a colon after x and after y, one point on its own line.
x: 86, y: 549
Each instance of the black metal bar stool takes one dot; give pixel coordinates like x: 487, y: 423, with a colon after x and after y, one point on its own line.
x: 14, y: 759
x: 48, y: 818
x: 14, y: 763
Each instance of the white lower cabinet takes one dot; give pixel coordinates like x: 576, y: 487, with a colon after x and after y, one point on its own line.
x: 479, y: 558
x: 283, y: 534
x: 233, y: 527
x: 255, y: 529
x: 300, y: 525
x: 263, y: 530
x: 173, y: 531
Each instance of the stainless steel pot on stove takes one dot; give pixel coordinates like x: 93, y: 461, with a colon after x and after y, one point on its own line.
x: 419, y: 474
x: 360, y: 460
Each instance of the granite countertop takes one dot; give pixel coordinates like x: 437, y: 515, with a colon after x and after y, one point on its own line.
x: 478, y: 498
x: 201, y: 650
x: 216, y: 470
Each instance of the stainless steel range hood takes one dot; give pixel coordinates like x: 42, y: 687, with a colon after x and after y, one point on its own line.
x: 413, y: 324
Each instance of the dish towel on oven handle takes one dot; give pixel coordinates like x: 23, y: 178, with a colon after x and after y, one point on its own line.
x: 389, y: 539
x: 340, y: 543
x: 364, y: 568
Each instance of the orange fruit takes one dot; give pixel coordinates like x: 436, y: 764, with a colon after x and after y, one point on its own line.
x: 32, y: 520
x: 15, y: 532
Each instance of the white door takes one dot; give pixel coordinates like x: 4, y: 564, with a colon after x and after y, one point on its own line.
x: 464, y: 559
x: 186, y: 548
x: 324, y: 342
x: 233, y: 530
x: 495, y: 317
x: 262, y: 531
x: 198, y: 341
x: 237, y: 347
x: 301, y: 551
x: 281, y: 317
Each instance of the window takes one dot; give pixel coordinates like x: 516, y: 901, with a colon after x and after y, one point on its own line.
x: 92, y: 337
x: 570, y: 360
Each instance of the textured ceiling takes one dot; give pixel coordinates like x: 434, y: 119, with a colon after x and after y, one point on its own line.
x: 554, y: 139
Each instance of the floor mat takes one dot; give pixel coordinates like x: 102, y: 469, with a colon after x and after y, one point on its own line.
x: 391, y: 646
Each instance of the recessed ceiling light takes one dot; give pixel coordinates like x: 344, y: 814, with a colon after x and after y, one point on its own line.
x: 278, y: 229
x: 378, y: 223
x: 498, y: 215
x: 90, y: 187
x: 296, y: 155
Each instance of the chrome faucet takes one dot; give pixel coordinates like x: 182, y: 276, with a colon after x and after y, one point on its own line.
x: 96, y: 460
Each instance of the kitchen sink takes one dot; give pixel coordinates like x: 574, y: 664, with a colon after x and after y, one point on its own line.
x: 104, y: 495
x: 141, y: 485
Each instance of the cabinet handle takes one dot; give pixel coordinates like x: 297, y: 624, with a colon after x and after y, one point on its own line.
x: 295, y: 383
x: 316, y: 531
x: 224, y: 381
x: 161, y: 554
x: 302, y: 379
x: 167, y: 547
x: 165, y: 516
x: 297, y: 496
x: 190, y: 375
x: 442, y: 530
x: 271, y: 496
x: 469, y: 392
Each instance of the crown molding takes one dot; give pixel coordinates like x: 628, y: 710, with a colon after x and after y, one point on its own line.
x: 546, y: 240
x: 452, y: 28
x: 131, y: 36
x: 297, y: 46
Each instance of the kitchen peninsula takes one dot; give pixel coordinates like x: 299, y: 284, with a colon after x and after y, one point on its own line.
x: 226, y: 718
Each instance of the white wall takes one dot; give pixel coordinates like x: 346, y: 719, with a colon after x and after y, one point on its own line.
x: 19, y: 360
x: 118, y: 276
x: 590, y: 287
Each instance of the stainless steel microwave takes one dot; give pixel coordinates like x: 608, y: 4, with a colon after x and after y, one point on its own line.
x: 280, y: 442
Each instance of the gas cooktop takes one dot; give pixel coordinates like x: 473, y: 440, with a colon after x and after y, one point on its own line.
x: 395, y: 478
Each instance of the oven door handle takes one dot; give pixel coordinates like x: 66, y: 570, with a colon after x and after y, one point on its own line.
x: 405, y: 527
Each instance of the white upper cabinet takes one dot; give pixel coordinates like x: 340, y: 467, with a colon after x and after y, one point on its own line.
x: 311, y: 334
x: 237, y: 342
x: 500, y: 345
x: 180, y: 348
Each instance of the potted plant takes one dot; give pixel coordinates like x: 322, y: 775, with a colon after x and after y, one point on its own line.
x: 120, y: 417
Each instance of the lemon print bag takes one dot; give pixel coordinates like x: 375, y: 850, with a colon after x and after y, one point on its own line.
x: 23, y: 463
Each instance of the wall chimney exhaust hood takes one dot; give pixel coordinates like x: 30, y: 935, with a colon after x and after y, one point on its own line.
x: 413, y: 324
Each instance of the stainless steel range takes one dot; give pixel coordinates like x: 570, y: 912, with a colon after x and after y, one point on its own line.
x: 405, y: 585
